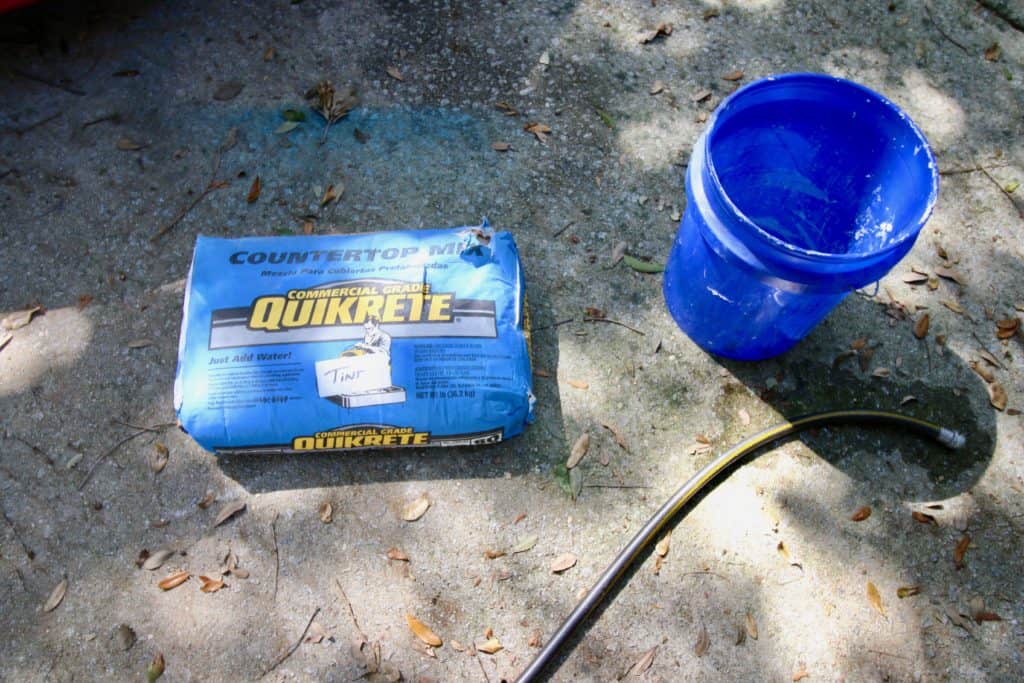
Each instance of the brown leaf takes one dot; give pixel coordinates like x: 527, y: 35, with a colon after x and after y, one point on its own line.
x: 326, y: 512
x: 881, y: 372
x: 859, y: 343
x: 254, y: 190
x: 139, y: 343
x: 227, y: 91
x: 307, y: 227
x: 992, y: 52
x: 535, y: 639
x: 157, y: 559
x: 579, y: 384
x: 56, y: 596
x: 618, y: 251
x: 84, y: 301
x: 800, y: 675
x: 415, y: 509
x: 397, y: 555
x: 861, y: 514
x: 457, y: 646
x: 538, y: 130
x: 982, y: 371
x: 501, y: 146
x: 960, y: 550
x: 950, y: 274
x: 579, y: 449
x: 1005, y: 329
x: 207, y: 500
x: 422, y: 631
x: 923, y: 517
x: 751, y: 626
x: 20, y: 319
x: 700, y: 95
x: 986, y: 616
x: 663, y: 29
x: 933, y: 283
x: 875, y: 598
x: 490, y: 646
x: 174, y: 580
x: 663, y: 545
x: 156, y: 668
x: 524, y: 544
x: 617, y: 435
x: 563, y: 562
x: 269, y: 54
x: 159, y: 457
x: 907, y: 591
x: 211, y: 585
x: 395, y: 73
x: 592, y: 312
x: 656, y: 87
x: 507, y: 108
x: 915, y: 278
x: 228, y: 511
x: 128, y: 145
x: 644, y: 662
x: 733, y: 76
x: 494, y: 554
x: 703, y: 642
x: 541, y: 372
x: 989, y: 358
x: 921, y: 326
x: 997, y: 395
x: 332, y: 194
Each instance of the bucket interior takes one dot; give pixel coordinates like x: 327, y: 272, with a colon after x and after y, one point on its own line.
x: 823, y: 165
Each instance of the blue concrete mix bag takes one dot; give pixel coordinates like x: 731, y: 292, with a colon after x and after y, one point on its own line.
x: 340, y: 342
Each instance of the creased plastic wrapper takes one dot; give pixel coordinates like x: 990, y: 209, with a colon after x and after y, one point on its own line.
x: 338, y: 342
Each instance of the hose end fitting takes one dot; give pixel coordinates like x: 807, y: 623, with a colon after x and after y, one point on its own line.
x: 951, y: 439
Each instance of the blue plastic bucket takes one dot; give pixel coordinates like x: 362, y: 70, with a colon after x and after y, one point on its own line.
x: 802, y: 188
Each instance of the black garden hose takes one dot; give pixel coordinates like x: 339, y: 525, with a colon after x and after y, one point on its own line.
x: 655, y: 524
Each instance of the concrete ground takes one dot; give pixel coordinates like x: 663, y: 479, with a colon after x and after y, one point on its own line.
x: 110, y: 122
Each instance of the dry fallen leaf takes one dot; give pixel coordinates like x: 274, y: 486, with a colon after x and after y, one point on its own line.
x: 643, y: 663
x: 950, y: 274
x: 155, y: 669
x: 490, y: 646
x: 881, y: 372
x: 663, y: 29
x: 989, y: 358
x: 524, y: 544
x: 395, y: 73
x: 907, y: 591
x: 861, y: 514
x: 535, y: 639
x: 332, y: 194
x: 538, y: 130
x: 1005, y: 329
x: 207, y: 500
x: 228, y: 511
x: 563, y: 562
x: 751, y: 626
x: 56, y: 596
x: 923, y: 517
x: 415, y: 509
x: 617, y: 434
x: 211, y: 585
x: 128, y: 145
x: 733, y: 76
x: 157, y: 559
x: 579, y: 384
x: 663, y: 545
x: 703, y: 642
x: 657, y: 87
x: 953, y: 306
x: 875, y: 598
x: 997, y: 395
x: 139, y: 343
x: 456, y: 645
x: 174, y: 580
x: 915, y: 278
x: 982, y: 371
x: 501, y: 146
x: 254, y: 190
x: 921, y: 326
x: 326, y: 512
x: 20, y: 319
x: 984, y: 615
x: 398, y: 555
x: 422, y: 631
x: 992, y: 52
x: 579, y: 449
x: 960, y: 550
x: 159, y: 457
x: 800, y: 675
x: 494, y: 554
x: 507, y: 108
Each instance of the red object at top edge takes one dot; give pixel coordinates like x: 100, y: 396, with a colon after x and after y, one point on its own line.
x: 8, y: 5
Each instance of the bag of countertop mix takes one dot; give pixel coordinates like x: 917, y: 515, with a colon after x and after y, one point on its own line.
x: 339, y: 342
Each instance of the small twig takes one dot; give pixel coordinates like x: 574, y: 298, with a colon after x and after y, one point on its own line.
x: 294, y: 647
x: 32, y: 126
x: 556, y: 324
x: 588, y: 319
x: 969, y: 169
x: 887, y: 654
x: 351, y: 612
x: 14, y: 530
x: 102, y: 458
x: 564, y: 228
x: 214, y: 184
x: 1001, y: 13
x: 277, y: 554
x: 46, y: 81
x: 983, y: 345
x: 928, y: 11
x: 1020, y: 211
x: 615, y: 486
x: 709, y: 573
x: 482, y: 669
x: 35, y: 449
x: 115, y: 117
x: 156, y: 429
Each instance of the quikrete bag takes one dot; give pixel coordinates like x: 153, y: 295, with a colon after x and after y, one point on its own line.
x: 338, y: 342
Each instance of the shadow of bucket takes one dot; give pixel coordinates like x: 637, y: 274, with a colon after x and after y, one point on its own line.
x: 802, y: 188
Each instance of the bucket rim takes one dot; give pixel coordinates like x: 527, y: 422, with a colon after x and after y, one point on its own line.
x: 811, y: 254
